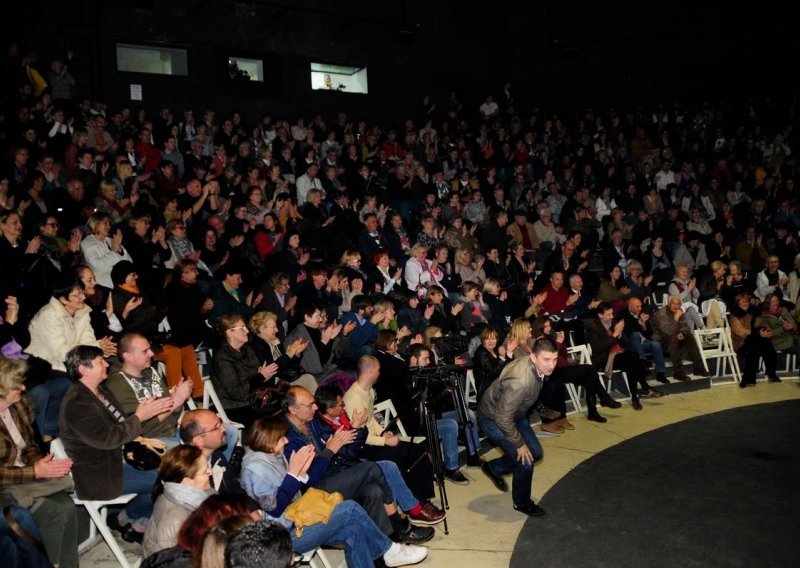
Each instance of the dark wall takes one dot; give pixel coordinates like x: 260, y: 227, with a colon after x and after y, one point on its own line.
x: 558, y: 54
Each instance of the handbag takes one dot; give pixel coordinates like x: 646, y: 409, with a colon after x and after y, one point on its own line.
x: 314, y: 506
x: 144, y: 454
x: 30, y: 495
x: 266, y: 399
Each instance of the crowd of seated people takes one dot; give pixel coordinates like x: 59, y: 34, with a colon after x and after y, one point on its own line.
x: 317, y: 263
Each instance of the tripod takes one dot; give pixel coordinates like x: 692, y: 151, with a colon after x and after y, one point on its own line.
x: 427, y: 417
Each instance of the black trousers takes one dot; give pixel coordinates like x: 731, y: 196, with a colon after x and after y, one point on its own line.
x: 756, y: 347
x: 629, y: 363
x: 365, y: 484
x: 554, y: 391
x: 414, y: 464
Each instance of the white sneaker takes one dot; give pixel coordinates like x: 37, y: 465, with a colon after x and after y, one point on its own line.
x: 403, y: 554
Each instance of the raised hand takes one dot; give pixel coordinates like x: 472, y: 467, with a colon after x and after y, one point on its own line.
x: 108, y: 346
x: 268, y: 370
x: 182, y: 392
x: 12, y: 310
x: 33, y: 245
x: 50, y: 468
x: 300, y: 460
x: 359, y: 418
x: 116, y: 241
x: 151, y: 407
x: 512, y: 345
x: 339, y: 439
x: 348, y: 328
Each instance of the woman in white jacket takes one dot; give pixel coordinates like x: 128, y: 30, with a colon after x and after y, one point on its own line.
x: 57, y: 327
x: 101, y: 251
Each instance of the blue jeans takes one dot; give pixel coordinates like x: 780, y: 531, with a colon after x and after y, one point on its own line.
x: 522, y: 482
x: 648, y: 347
x: 140, y: 507
x: 349, y: 526
x: 402, y: 494
x: 48, y: 396
x: 448, y: 434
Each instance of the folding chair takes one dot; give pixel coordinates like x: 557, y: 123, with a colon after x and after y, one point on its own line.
x: 97, y: 516
x: 389, y: 413
x: 470, y: 390
x: 716, y: 343
x: 607, y: 384
x: 324, y: 562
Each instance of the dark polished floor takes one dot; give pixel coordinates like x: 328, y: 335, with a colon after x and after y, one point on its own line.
x: 717, y: 490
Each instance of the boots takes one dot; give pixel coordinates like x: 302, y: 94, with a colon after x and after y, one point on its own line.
x: 593, y: 415
x: 606, y: 400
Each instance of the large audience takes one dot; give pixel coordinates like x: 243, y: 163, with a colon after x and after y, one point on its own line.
x: 306, y: 264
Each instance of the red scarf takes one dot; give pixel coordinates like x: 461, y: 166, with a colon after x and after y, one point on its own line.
x: 344, y: 423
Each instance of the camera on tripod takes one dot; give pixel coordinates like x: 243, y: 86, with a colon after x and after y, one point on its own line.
x: 449, y: 346
x: 432, y: 380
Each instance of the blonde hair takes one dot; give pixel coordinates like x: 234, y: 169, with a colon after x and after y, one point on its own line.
x: 95, y: 220
x: 460, y: 254
x: 349, y: 256
x: 416, y: 248
x: 260, y: 319
x: 489, y: 285
x: 519, y: 330
x: 428, y: 334
x: 382, y: 306
x: 12, y: 375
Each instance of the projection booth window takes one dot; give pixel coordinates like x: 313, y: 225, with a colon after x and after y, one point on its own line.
x: 243, y: 69
x: 343, y: 78
x: 150, y: 59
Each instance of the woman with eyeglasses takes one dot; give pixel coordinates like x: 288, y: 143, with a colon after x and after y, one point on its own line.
x: 236, y: 369
x: 184, y: 482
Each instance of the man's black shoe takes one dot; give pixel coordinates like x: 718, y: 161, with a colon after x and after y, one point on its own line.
x: 607, y: 401
x: 113, y: 523
x: 662, y: 378
x: 531, y: 509
x: 131, y: 535
x: 498, y: 481
x: 775, y: 379
x: 594, y: 416
x: 455, y: 476
x: 474, y: 460
x: 414, y: 534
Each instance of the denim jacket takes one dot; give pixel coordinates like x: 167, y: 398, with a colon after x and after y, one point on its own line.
x: 265, y: 478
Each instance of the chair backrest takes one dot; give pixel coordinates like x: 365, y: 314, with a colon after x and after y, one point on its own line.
x: 584, y: 353
x: 389, y: 413
x: 58, y: 450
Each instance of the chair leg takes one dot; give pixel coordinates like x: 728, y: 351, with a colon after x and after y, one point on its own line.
x: 100, y: 522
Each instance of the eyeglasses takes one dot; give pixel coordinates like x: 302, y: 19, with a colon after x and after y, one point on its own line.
x: 217, y: 427
x: 77, y: 295
x: 238, y: 328
x: 340, y: 405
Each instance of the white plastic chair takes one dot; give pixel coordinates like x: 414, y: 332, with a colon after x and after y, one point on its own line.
x: 389, y: 413
x: 97, y: 516
x: 717, y: 343
x: 311, y: 557
x: 470, y: 390
x: 606, y: 384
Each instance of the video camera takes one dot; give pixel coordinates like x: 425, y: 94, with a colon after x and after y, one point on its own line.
x: 433, y: 378
x: 449, y: 346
